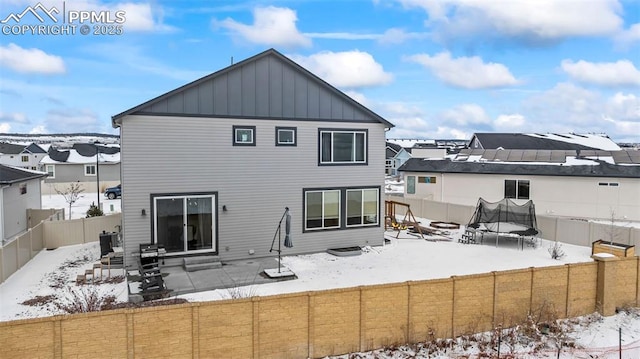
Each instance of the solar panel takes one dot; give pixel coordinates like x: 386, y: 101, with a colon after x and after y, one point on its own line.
x: 529, y: 155
x: 515, y: 155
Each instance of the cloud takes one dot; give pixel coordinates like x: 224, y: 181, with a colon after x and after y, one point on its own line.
x: 570, y: 108
x: 628, y: 37
x: 5, y: 127
x: 72, y: 120
x: 38, y: 130
x: 530, y: 21
x: 349, y: 69
x: 620, y: 73
x: 465, y: 72
x: 13, y: 117
x: 509, y: 122
x: 273, y: 26
x: 397, y: 36
x: 30, y: 60
x: 465, y: 115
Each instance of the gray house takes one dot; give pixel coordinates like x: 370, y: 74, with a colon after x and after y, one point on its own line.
x: 80, y: 164
x: 19, y: 191
x: 294, y: 140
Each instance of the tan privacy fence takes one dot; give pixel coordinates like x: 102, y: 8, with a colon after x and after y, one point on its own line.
x: 566, y: 230
x: 51, y: 231
x: 317, y: 324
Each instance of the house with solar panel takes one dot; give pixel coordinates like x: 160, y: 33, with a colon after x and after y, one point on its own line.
x: 584, y: 176
x: 209, y: 168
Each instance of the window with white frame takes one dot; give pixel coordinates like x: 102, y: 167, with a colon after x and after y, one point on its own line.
x: 362, y: 207
x: 516, y: 189
x: 338, y: 146
x: 51, y: 171
x: 89, y: 170
x: 286, y: 136
x: 244, y: 135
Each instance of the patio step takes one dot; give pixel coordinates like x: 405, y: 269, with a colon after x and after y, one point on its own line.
x: 192, y: 264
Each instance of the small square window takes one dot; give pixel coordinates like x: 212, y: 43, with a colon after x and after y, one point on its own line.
x: 89, y: 170
x: 286, y: 136
x: 244, y: 135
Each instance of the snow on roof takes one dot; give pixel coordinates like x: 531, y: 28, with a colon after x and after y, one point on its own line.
x: 76, y: 158
x: 599, y: 141
x: 409, y: 143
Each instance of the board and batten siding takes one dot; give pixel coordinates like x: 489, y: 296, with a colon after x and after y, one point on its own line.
x: 164, y: 154
x: 266, y: 87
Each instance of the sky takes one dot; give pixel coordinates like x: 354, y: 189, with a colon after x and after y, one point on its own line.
x: 436, y: 69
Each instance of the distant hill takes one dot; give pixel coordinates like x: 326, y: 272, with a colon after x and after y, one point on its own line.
x: 57, y: 138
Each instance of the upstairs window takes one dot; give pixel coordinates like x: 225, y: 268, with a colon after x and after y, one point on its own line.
x: 516, y: 189
x: 244, y: 135
x: 286, y: 136
x: 25, y: 158
x: 342, y: 146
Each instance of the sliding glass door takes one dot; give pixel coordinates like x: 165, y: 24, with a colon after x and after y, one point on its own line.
x: 185, y: 223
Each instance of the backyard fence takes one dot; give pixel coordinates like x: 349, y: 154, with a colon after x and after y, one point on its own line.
x: 51, y: 231
x: 566, y: 230
x: 332, y: 322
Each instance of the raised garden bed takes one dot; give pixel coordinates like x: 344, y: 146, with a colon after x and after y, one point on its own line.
x: 617, y: 249
x: 445, y: 225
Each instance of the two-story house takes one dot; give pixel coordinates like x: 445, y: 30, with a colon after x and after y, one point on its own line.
x: 20, y: 155
x: 210, y: 167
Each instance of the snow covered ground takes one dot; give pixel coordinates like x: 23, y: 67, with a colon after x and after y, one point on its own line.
x: 53, y: 273
x: 80, y: 207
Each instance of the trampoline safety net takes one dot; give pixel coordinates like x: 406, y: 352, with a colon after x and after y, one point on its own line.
x: 505, y: 216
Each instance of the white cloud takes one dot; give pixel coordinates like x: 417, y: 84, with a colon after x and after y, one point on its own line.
x: 13, y: 117
x: 466, y: 72
x: 397, y: 36
x: 139, y: 17
x: 349, y: 69
x: 30, y: 60
x: 465, y: 115
x: 273, y: 26
x: 5, y: 127
x: 540, y: 20
x: 570, y: 108
x: 620, y: 73
x: 40, y: 129
x: 628, y: 37
x: 509, y: 122
x: 72, y: 120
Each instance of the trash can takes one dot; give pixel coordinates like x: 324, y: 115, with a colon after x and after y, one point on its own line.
x: 106, y: 242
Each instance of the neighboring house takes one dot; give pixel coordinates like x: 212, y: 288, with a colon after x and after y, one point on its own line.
x: 560, y: 182
x: 80, y: 164
x: 19, y: 191
x: 20, y: 155
x: 210, y: 167
x: 395, y: 156
x: 537, y: 141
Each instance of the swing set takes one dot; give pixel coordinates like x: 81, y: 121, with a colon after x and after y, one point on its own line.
x: 409, y: 220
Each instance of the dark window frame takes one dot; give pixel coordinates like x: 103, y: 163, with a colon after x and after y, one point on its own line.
x: 239, y: 127
x: 342, y: 209
x: 286, y: 144
x: 354, y: 162
x: 517, y: 189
